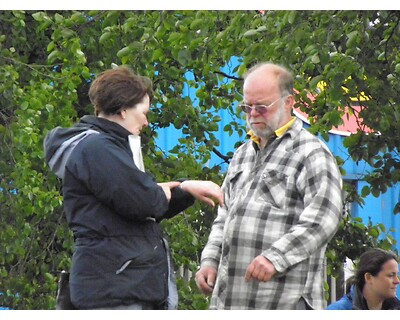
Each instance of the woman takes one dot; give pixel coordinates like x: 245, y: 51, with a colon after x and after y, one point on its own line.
x: 121, y: 259
x: 374, y: 283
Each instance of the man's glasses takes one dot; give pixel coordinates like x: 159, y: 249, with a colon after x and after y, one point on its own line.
x: 259, y: 108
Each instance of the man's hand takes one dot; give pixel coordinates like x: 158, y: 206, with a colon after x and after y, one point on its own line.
x: 260, y: 269
x: 205, y: 279
x: 204, y: 191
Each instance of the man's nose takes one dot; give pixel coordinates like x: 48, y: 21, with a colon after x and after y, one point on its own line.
x: 254, y: 113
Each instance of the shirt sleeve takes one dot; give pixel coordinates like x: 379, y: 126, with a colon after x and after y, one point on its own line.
x: 211, y: 253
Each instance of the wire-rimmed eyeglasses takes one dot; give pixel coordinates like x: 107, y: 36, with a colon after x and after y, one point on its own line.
x: 260, y: 108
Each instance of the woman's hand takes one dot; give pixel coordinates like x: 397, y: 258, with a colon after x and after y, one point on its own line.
x: 204, y: 191
x: 167, y: 186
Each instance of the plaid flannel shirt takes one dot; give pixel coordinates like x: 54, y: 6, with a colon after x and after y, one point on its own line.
x: 283, y: 202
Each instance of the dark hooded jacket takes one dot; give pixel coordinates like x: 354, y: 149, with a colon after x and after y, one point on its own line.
x: 114, y: 210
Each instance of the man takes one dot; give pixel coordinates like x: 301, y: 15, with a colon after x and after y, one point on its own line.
x: 283, y: 204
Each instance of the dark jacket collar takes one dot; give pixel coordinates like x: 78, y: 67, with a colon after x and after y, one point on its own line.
x: 104, y: 125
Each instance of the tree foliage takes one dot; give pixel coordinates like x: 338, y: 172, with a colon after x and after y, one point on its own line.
x: 48, y: 59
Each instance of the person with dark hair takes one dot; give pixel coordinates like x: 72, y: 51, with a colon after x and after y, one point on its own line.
x: 121, y: 259
x: 283, y: 203
x: 374, y: 284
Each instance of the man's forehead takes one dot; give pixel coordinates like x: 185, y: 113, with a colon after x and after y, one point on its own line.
x: 260, y: 89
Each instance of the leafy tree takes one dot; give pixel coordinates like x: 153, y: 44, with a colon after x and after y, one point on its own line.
x: 49, y: 58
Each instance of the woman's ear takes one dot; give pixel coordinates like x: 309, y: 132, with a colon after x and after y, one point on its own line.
x: 367, y: 276
x: 123, y: 114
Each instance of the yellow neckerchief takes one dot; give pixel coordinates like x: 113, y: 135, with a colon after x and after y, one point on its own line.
x: 279, y: 132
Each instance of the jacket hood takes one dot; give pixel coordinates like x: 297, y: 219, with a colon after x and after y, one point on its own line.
x: 59, y: 143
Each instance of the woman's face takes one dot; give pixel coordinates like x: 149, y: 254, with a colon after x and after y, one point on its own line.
x: 384, y: 284
x: 136, y: 118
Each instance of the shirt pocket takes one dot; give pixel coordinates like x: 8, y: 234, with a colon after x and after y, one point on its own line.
x: 273, y: 188
x: 235, y: 184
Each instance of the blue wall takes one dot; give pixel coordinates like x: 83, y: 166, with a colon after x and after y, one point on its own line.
x: 376, y: 209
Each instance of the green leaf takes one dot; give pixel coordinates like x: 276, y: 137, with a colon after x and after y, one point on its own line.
x: 58, y: 18
x: 53, y: 56
x: 250, y: 33
x: 105, y: 37
x: 352, y: 38
x: 38, y: 16
x: 123, y: 52
x: 196, y: 24
x: 292, y: 16
x: 184, y: 57
x: 315, y: 80
x: 365, y: 191
x: 49, y: 107
x: 50, y: 46
x: 315, y: 58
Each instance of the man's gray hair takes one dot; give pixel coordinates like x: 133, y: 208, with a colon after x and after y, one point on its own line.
x: 283, y: 74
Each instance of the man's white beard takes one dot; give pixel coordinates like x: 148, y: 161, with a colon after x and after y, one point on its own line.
x: 269, y: 128
x: 262, y: 133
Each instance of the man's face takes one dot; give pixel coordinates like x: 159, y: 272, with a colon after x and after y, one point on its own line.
x: 262, y: 89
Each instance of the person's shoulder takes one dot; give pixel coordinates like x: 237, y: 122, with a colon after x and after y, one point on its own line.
x: 307, y: 136
x: 307, y: 143
x: 343, y: 304
x: 244, y: 148
x: 93, y: 145
x: 300, y: 134
x: 396, y: 304
x: 391, y: 304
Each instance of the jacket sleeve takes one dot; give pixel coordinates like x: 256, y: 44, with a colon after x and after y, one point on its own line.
x: 108, y: 172
x: 180, y: 201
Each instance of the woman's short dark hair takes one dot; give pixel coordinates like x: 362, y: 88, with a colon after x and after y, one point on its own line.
x: 116, y: 89
x: 371, y: 262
